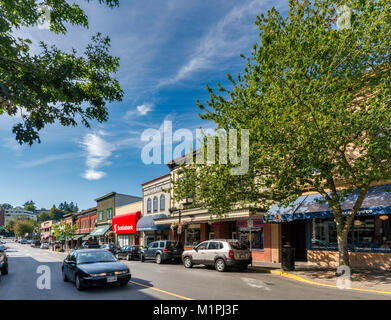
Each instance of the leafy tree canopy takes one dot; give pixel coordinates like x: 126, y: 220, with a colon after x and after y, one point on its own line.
x: 53, y: 86
x: 315, y: 97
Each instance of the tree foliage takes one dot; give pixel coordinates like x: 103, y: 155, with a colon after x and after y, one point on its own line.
x: 315, y: 97
x: 29, y: 205
x: 23, y: 227
x: 53, y: 85
x: 63, y: 230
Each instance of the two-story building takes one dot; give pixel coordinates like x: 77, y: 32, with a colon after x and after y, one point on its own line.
x: 85, y: 223
x: 106, y: 208
x: 47, y: 232
x: 156, y: 204
x: 124, y: 224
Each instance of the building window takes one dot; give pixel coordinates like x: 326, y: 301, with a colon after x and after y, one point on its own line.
x: 100, y: 215
x: 162, y: 202
x: 155, y: 204
x: 109, y: 213
x: 324, y: 234
x: 192, y: 237
x: 149, y: 205
x: 252, y: 237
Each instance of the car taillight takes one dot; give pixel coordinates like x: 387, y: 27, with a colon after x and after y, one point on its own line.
x: 230, y: 254
x: 164, y: 250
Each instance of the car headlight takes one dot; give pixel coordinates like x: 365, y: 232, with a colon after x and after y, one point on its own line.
x: 103, y: 274
x: 121, y: 272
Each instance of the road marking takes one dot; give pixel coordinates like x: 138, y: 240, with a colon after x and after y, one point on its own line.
x: 163, y: 291
x: 255, y: 283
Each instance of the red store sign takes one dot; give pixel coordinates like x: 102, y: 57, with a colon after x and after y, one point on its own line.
x: 125, y: 223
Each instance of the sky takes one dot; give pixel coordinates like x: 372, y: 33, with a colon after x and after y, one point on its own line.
x: 169, y: 51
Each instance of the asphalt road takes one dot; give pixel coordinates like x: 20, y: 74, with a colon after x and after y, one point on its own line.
x: 158, y: 282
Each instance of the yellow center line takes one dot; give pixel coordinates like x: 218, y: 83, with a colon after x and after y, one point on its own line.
x: 159, y: 290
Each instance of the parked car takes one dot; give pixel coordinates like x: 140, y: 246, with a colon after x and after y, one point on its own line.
x: 23, y: 241
x: 3, y: 260
x: 94, y: 267
x: 29, y: 241
x: 220, y: 253
x: 44, y: 245
x: 128, y: 253
x: 161, y: 251
x: 89, y: 245
x: 35, y: 244
x: 109, y: 247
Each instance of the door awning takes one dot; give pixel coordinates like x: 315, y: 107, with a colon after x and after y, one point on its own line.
x: 100, y: 230
x: 377, y: 201
x: 147, y: 223
x: 78, y: 236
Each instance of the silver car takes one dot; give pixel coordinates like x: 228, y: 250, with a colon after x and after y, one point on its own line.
x: 220, y: 253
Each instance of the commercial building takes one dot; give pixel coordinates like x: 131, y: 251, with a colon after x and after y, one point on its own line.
x: 124, y: 224
x: 18, y: 212
x: 106, y: 208
x: 47, y: 232
x: 156, y: 205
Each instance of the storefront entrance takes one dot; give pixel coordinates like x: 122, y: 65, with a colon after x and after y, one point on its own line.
x: 294, y: 234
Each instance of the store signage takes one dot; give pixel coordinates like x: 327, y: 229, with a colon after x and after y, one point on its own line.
x: 244, y: 223
x: 125, y: 223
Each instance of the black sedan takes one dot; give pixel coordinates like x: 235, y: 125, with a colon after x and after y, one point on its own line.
x: 128, y: 253
x: 94, y: 267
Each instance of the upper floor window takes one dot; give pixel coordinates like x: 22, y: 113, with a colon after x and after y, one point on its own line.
x: 100, y: 215
x: 155, y: 204
x: 109, y: 213
x: 149, y: 205
x: 162, y: 202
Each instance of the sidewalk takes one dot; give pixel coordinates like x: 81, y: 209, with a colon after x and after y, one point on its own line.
x: 374, y: 280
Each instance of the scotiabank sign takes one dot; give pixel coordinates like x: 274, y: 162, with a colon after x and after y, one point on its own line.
x: 125, y: 223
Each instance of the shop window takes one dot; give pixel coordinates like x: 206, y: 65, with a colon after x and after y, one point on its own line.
x: 149, y: 205
x: 162, y: 202
x: 211, y: 235
x: 251, y: 237
x: 109, y: 213
x: 192, y: 237
x: 155, y: 204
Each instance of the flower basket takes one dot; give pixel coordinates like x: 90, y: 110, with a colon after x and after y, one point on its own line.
x: 174, y: 226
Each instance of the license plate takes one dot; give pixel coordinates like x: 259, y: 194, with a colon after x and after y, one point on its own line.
x: 112, y: 279
x: 243, y: 256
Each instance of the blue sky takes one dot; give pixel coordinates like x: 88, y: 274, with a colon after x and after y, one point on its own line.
x: 169, y: 51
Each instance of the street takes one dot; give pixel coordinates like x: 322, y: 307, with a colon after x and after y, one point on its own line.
x: 157, y: 282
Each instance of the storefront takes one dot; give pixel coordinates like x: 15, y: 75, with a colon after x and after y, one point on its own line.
x: 124, y: 227
x: 151, y: 231
x: 309, y: 225
x: 101, y: 234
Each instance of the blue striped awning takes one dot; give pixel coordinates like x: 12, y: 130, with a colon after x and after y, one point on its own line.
x: 377, y: 201
x: 147, y: 223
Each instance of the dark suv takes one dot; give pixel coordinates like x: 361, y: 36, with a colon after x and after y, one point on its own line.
x: 109, y: 247
x: 3, y: 260
x: 161, y: 251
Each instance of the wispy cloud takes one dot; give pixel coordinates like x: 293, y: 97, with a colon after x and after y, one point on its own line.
x: 236, y: 31
x: 97, y: 152
x: 48, y: 159
x: 140, y: 110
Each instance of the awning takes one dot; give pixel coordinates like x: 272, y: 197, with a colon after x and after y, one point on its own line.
x: 377, y: 201
x: 100, y: 230
x: 147, y: 223
x: 125, y: 224
x: 78, y: 236
x: 88, y: 237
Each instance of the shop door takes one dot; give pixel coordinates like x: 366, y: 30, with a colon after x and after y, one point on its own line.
x: 294, y: 234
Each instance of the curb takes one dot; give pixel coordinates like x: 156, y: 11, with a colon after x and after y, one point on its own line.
x: 301, y: 279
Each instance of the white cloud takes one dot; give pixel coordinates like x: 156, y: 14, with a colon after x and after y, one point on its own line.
x: 48, y: 159
x: 97, y: 152
x: 141, y: 110
x: 235, y: 32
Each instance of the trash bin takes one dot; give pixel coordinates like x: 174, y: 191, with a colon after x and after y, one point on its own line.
x: 288, y: 258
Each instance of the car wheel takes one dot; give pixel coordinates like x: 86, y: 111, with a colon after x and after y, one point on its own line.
x: 220, y: 265
x: 187, y: 262
x: 158, y: 259
x: 78, y: 283
x: 117, y: 257
x: 4, y: 270
x: 128, y: 257
x: 64, y: 276
x: 142, y: 258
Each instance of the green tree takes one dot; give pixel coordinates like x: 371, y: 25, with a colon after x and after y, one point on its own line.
x: 315, y: 97
x: 23, y: 227
x: 43, y: 216
x: 63, y: 230
x: 5, y: 206
x: 53, y: 86
x: 56, y: 214
x: 29, y: 205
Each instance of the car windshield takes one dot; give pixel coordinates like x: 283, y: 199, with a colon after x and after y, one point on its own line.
x: 237, y: 245
x: 93, y: 257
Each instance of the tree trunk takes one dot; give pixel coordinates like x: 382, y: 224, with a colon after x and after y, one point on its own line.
x: 343, y: 248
